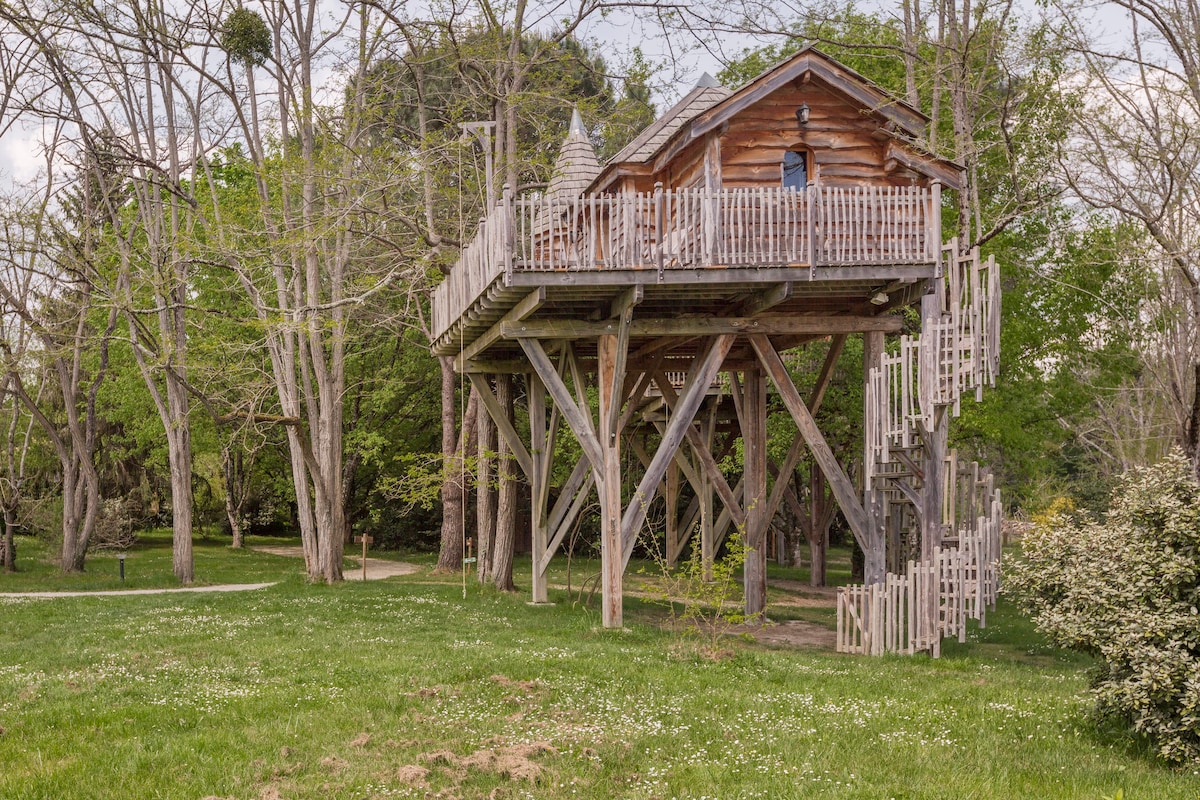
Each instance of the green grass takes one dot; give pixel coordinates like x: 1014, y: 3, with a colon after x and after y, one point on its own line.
x: 302, y: 691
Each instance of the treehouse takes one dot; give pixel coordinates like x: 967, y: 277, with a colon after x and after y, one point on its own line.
x: 674, y: 279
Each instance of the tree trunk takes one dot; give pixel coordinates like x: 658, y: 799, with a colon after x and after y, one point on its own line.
x: 506, y: 507
x: 10, y: 546
x: 454, y: 445
x: 235, y: 496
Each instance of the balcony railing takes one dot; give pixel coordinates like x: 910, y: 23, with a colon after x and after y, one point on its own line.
x: 693, y: 229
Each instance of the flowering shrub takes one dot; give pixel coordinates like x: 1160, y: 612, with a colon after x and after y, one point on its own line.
x: 1126, y: 590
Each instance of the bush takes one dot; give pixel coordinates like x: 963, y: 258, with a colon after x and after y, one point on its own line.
x: 1126, y: 590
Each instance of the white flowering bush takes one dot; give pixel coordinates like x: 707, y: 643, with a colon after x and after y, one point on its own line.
x: 1126, y: 590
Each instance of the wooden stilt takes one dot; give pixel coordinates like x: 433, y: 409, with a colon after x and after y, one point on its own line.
x: 705, y: 490
x: 875, y: 549
x: 542, y: 454
x: 671, y: 495
x: 754, y: 444
x: 612, y: 564
x: 485, y: 492
x: 935, y: 434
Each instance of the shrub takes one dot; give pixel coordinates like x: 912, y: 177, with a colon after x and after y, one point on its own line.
x: 1126, y: 590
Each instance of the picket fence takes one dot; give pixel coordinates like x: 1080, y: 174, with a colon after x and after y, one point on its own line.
x: 910, y: 613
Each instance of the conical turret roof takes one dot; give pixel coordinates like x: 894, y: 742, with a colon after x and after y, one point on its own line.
x: 577, y: 165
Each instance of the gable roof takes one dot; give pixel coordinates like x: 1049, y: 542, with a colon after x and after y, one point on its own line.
x: 706, y: 108
x: 706, y: 94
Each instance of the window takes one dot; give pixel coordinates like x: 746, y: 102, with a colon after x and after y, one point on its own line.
x: 795, y: 170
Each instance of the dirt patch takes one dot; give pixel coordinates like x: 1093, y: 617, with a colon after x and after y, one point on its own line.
x: 334, y: 764
x: 413, y: 775
x: 790, y: 633
x: 361, y: 740
x: 512, y: 762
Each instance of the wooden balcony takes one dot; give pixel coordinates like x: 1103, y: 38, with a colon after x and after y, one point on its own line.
x: 696, y: 235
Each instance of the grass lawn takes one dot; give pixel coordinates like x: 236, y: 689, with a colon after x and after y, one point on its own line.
x: 401, y: 688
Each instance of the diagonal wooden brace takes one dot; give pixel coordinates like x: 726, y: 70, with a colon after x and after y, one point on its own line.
x: 843, y: 488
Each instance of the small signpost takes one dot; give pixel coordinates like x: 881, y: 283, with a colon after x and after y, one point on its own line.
x: 366, y: 540
x: 468, y: 559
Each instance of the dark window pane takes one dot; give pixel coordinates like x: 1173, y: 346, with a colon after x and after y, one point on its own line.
x: 795, y: 170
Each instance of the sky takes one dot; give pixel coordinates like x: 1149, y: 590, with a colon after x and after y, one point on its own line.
x: 615, y: 36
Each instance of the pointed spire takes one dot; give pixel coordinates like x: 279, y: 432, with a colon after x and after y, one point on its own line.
x: 707, y: 82
x: 577, y: 164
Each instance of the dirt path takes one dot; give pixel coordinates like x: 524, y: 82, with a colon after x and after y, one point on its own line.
x: 224, y: 587
x: 377, y: 568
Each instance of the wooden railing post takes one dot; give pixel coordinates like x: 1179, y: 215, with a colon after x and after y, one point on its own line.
x: 933, y: 244
x: 811, y: 222
x: 659, y: 221
x: 507, y: 237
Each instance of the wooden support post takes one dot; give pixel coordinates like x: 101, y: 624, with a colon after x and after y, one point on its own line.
x: 935, y: 435
x: 485, y: 488
x: 754, y: 446
x: 875, y: 549
x: 541, y: 453
x: 705, y: 489
x: 611, y: 552
x: 671, y: 495
x: 504, y: 541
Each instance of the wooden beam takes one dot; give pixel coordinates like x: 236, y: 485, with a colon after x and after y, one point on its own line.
x: 579, y: 421
x: 783, y: 476
x: 843, y: 488
x: 503, y: 425
x: 700, y: 376
x: 526, y: 306
x: 702, y: 326
x: 735, y: 274
x: 568, y: 507
x: 946, y: 172
x: 579, y: 476
x: 626, y: 300
x: 767, y: 299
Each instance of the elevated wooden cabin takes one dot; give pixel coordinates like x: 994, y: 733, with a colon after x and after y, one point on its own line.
x: 740, y: 224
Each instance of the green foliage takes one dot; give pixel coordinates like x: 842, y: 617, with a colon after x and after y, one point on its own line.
x: 1126, y: 590
x: 704, y: 601
x: 245, y: 37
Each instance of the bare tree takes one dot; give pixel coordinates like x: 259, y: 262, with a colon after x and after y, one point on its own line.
x: 1134, y: 151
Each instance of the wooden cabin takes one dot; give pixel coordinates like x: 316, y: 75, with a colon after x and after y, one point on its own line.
x: 739, y: 225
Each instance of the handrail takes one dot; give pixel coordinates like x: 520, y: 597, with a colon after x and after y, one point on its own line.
x: 693, y: 228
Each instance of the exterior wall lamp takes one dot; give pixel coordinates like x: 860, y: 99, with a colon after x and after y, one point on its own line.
x: 802, y: 114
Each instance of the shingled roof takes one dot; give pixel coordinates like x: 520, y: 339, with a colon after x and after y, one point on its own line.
x: 577, y: 165
x: 704, y: 96
x: 709, y: 105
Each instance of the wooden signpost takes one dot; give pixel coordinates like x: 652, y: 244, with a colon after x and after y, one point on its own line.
x: 365, y: 540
